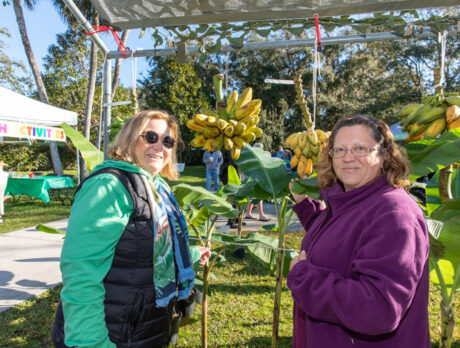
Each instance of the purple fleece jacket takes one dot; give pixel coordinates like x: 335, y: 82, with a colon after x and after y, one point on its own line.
x: 365, y: 280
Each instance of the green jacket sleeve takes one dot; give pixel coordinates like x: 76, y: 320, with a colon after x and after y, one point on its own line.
x: 98, y: 217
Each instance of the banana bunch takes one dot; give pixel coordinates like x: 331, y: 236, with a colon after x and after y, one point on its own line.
x: 115, y: 126
x: 306, y: 146
x: 436, y: 114
x: 232, y: 125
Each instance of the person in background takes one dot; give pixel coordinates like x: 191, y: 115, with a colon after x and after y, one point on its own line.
x: 126, y: 263
x: 256, y: 202
x: 280, y: 152
x: 3, y: 182
x: 287, y: 159
x: 213, y: 160
x: 362, y: 277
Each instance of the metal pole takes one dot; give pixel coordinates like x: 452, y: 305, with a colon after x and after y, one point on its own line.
x: 107, y: 102
x: 270, y: 45
x: 86, y: 25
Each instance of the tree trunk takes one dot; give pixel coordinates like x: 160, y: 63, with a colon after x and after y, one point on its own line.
x: 38, y: 80
x: 116, y: 74
x: 89, y: 97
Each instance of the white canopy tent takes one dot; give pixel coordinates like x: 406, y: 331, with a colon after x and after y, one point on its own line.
x: 18, y: 108
x: 153, y: 13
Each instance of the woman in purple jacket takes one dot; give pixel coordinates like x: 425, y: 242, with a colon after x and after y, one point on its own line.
x: 361, y: 279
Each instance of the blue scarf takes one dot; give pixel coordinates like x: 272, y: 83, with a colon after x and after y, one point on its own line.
x: 173, y: 274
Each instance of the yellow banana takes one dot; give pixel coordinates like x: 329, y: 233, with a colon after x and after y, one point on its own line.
x: 435, y: 128
x: 452, y: 113
x: 298, y: 151
x: 228, y: 143
x: 249, y: 121
x: 303, y: 138
x: 229, y: 131
x: 238, y: 142
x: 307, y: 149
x: 309, y: 167
x: 256, y: 130
x: 312, y: 137
x: 246, y: 96
x: 200, y: 119
x: 221, y: 124
x: 195, y: 126
x: 211, y: 132
x: 248, y: 109
x: 231, y: 100
x: 248, y: 137
x: 199, y: 140
x: 454, y: 124
x: 211, y: 121
x: 294, y: 161
x: 295, y: 140
x: 208, y: 145
x: 288, y: 141
x: 322, y: 136
x: 209, y: 112
x: 301, y: 166
x: 236, y: 152
x: 239, y: 128
x: 314, y: 149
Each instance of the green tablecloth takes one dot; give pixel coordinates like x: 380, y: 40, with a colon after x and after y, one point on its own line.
x: 36, y: 187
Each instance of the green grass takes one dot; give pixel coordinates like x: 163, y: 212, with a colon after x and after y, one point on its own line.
x: 240, y: 311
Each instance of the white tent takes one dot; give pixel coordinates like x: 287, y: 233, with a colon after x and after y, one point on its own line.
x: 18, y: 108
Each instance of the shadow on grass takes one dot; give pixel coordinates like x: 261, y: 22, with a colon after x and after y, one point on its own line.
x: 29, y: 324
x: 239, y: 289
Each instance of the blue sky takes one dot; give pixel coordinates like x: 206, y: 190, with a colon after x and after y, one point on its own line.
x: 43, y: 23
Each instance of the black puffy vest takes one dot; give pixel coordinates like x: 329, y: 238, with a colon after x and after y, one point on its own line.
x: 131, y: 316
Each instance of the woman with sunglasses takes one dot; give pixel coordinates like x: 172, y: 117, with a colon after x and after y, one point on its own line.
x: 362, y: 277
x: 126, y: 261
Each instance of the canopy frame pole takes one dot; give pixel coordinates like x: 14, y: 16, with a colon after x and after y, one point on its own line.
x: 107, y: 103
x: 86, y: 25
x: 269, y: 45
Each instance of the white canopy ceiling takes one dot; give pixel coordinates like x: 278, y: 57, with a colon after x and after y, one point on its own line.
x: 151, y: 13
x: 18, y: 108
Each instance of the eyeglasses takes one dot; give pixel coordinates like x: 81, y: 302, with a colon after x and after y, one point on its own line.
x: 358, y: 151
x: 152, y: 137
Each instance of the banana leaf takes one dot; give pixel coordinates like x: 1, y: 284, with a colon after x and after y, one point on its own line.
x: 269, y: 172
x: 426, y: 156
x: 433, y: 200
x: 49, y: 229
x: 90, y: 153
x: 198, y: 196
x: 447, y: 248
x: 307, y: 186
x: 233, y: 177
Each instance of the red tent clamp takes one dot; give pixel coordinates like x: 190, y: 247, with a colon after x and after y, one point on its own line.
x: 102, y: 28
x: 318, y: 34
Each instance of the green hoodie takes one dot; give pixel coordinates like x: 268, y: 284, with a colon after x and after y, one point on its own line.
x: 98, y: 217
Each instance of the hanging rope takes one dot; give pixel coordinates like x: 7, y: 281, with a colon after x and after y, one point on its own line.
x: 442, y: 39
x: 102, y: 28
x: 316, y: 67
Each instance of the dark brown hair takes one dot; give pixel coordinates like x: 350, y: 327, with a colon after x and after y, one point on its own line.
x: 394, y: 163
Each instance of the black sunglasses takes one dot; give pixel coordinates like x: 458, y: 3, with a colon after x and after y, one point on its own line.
x: 152, y: 137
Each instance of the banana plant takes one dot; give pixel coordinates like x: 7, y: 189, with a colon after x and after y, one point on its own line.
x: 443, y: 204
x: 202, y: 209
x: 90, y: 153
x: 271, y: 182
x: 235, y: 194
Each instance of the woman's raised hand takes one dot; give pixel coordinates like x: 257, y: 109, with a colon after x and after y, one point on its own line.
x: 298, y: 198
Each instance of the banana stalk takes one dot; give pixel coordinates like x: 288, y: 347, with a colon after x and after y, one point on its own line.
x: 218, y: 80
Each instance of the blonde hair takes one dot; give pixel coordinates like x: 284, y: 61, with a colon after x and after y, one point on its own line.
x: 394, y: 163
x: 124, y: 144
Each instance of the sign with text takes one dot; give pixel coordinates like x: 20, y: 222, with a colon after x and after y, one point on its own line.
x: 31, y: 131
